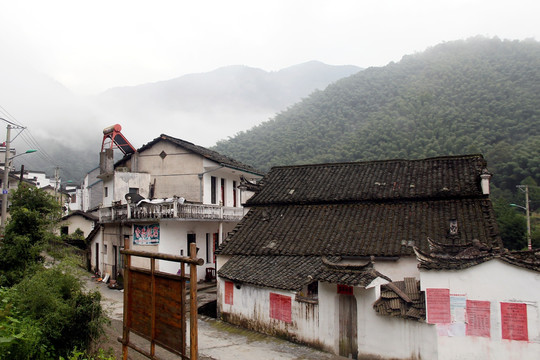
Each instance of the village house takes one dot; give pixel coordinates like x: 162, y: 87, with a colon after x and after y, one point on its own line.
x: 327, y: 251
x: 79, y: 222
x: 163, y: 197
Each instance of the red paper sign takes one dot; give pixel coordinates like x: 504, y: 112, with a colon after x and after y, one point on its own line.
x: 229, y: 292
x: 514, y: 321
x: 438, y: 306
x: 280, y: 307
x: 478, y: 318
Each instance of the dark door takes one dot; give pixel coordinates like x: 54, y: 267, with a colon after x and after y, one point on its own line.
x: 115, y: 264
x: 348, y: 330
x: 97, y: 257
x: 191, y: 238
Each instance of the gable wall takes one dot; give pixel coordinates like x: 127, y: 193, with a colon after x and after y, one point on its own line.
x: 406, y: 266
x: 496, y: 282
x: 175, y: 174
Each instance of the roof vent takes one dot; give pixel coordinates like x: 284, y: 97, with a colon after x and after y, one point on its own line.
x: 453, y: 227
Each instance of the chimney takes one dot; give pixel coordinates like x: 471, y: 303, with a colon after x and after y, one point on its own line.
x: 106, y: 163
x: 485, y: 176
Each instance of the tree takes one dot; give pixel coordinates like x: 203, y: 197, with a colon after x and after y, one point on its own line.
x: 44, y: 313
x: 512, y: 226
x: 33, y: 213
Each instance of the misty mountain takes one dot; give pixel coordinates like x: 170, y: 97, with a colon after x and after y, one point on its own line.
x: 201, y: 108
x: 475, y: 96
x: 207, y: 107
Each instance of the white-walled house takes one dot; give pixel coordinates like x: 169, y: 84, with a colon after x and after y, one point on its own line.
x: 166, y: 195
x: 321, y: 244
x: 85, y: 222
x: 484, y: 303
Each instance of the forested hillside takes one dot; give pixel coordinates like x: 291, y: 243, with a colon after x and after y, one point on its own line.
x: 475, y: 96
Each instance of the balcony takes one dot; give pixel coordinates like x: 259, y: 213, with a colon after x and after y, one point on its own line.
x: 170, y: 210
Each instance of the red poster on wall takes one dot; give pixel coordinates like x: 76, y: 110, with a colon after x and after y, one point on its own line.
x: 229, y: 292
x: 438, y: 306
x: 280, y: 307
x: 478, y: 318
x: 514, y: 321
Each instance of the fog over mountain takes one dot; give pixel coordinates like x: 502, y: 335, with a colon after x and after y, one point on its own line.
x: 201, y: 108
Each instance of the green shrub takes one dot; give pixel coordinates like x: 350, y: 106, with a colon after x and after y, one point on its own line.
x: 66, y: 317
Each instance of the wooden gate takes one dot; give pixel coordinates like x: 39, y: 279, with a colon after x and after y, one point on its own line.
x: 155, y: 305
x: 348, y: 331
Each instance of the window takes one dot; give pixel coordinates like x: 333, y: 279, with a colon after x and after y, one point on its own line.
x: 64, y: 230
x: 215, y: 242
x: 309, y: 293
x: 73, y: 198
x: 106, y: 191
x: 208, y: 248
x: 133, y: 190
x: 213, y: 190
x: 313, y: 290
x: 229, y: 292
x: 234, y: 193
x: 222, y: 192
x: 280, y: 307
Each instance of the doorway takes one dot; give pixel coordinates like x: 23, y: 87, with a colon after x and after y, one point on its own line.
x: 348, y: 327
x: 115, y: 262
x: 97, y: 258
x: 191, y: 238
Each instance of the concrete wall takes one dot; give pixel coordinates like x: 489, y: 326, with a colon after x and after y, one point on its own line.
x: 123, y: 181
x: 112, y: 235
x: 174, y: 171
x: 496, y: 282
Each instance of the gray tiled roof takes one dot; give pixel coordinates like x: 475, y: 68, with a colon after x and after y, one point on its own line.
x: 442, y: 177
x: 443, y: 257
x: 360, y: 229
x: 293, y: 272
x: 402, y: 299
x: 379, y: 208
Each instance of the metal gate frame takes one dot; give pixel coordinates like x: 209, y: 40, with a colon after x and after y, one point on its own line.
x: 134, y: 281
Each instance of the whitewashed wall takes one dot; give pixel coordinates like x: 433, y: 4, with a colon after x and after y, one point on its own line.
x: 173, y: 240
x: 251, y: 309
x: 78, y: 222
x: 497, y: 282
x: 378, y: 336
x: 400, y: 269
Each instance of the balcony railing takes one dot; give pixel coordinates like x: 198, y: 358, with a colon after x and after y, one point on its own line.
x: 170, y: 210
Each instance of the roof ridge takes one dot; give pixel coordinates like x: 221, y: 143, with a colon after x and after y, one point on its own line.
x: 332, y: 164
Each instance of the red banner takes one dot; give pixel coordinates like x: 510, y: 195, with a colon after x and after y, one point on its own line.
x: 229, y: 292
x: 514, y: 321
x: 478, y: 318
x: 438, y: 306
x: 280, y: 307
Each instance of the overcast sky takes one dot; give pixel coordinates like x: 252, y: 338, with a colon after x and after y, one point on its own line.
x: 90, y: 46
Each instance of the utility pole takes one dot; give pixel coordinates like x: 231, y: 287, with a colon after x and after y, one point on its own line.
x: 5, y: 179
x: 526, y: 187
